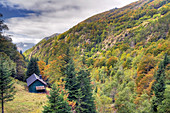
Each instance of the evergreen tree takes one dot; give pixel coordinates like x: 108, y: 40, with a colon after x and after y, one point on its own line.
x: 85, y: 101
x: 6, y: 85
x: 67, y: 55
x: 79, y: 89
x: 165, y: 106
x: 159, y: 85
x: 2, y: 26
x: 71, y: 81
x: 65, y: 59
x: 32, y: 67
x: 56, y: 102
x: 79, y: 102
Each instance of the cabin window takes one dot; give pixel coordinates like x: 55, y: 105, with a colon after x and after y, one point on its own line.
x: 40, y: 88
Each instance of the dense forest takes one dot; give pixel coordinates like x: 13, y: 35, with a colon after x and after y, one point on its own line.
x: 116, y: 61
x: 126, y: 51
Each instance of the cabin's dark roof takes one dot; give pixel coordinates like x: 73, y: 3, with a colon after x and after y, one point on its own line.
x: 33, y: 78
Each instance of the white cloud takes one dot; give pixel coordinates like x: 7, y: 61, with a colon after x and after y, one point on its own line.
x: 54, y: 16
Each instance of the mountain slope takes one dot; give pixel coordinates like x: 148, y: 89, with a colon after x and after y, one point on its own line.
x: 56, y: 34
x: 108, y: 28
x: 122, y: 49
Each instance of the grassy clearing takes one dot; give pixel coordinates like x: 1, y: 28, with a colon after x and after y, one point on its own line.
x: 24, y: 101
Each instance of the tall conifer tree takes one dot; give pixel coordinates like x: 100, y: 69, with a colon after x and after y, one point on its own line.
x: 159, y: 85
x: 71, y: 81
x: 2, y: 26
x: 79, y: 89
x: 32, y: 67
x: 85, y: 101
x: 56, y: 102
x: 6, y: 85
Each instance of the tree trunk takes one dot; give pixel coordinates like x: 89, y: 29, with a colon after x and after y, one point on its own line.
x: 2, y: 103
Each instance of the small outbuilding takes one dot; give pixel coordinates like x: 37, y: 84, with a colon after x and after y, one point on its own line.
x: 36, y: 84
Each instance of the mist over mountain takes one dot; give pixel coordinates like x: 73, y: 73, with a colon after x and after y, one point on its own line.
x: 21, y: 46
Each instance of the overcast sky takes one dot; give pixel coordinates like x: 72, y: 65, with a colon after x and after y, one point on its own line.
x: 32, y: 20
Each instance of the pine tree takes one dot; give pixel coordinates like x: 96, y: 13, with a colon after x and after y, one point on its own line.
x: 6, y: 85
x: 159, y: 85
x: 164, y: 107
x: 79, y: 89
x: 32, y: 67
x: 56, y: 102
x: 79, y: 102
x: 65, y: 60
x: 67, y: 55
x: 85, y: 101
x: 2, y: 26
x: 71, y: 81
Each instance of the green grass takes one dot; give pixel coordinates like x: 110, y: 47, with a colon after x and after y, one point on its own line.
x: 24, y: 101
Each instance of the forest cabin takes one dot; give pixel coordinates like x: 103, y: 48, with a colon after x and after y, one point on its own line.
x: 36, y: 84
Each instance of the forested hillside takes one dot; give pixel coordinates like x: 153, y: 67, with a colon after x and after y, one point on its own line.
x: 126, y: 50
x: 10, y: 49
